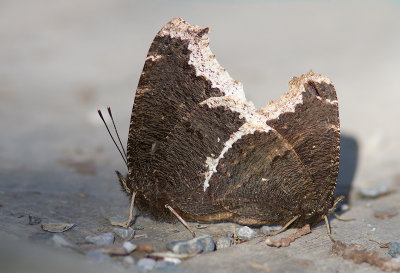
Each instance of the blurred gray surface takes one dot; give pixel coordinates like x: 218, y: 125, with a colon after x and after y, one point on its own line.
x: 60, y: 60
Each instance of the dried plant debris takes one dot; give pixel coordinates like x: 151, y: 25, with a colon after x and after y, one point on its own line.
x: 170, y: 255
x: 286, y: 241
x: 57, y: 227
x: 260, y: 267
x: 385, y: 214
x: 144, y: 248
x: 359, y: 255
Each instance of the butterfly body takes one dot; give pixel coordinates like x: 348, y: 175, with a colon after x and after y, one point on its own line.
x: 196, y: 144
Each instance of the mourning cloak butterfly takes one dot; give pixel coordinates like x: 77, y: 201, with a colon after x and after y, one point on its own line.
x: 196, y: 144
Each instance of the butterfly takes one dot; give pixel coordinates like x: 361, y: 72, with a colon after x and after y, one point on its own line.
x: 198, y: 146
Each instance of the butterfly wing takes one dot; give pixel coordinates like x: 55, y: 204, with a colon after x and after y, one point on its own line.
x: 179, y: 73
x: 196, y: 144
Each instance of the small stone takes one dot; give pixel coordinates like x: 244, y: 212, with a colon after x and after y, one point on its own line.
x: 146, y: 264
x: 60, y: 241
x: 396, y: 260
x: 98, y: 256
x: 101, y: 240
x: 344, y: 208
x: 201, y: 244
x: 376, y: 192
x: 394, y: 249
x: 169, y: 268
x: 57, y: 227
x: 34, y: 220
x: 41, y: 237
x: 129, y: 247
x: 137, y: 227
x: 224, y: 242
x: 128, y: 261
x: 124, y: 233
x: 268, y: 229
x: 245, y: 233
x: 118, y: 220
x: 119, y: 249
x: 172, y: 261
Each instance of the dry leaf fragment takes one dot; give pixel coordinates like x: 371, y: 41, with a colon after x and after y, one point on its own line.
x: 359, y: 255
x: 57, y: 227
x: 385, y: 214
x: 284, y: 242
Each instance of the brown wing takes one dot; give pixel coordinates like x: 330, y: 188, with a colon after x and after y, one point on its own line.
x: 179, y: 73
x: 197, y: 145
x: 290, y: 170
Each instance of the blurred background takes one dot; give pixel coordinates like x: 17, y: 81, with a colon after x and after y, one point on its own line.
x: 61, y: 60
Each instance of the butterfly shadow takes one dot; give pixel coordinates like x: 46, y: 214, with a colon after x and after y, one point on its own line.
x: 347, y: 166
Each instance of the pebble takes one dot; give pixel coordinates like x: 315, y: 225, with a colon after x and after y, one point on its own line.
x: 374, y: 192
x: 60, y: 241
x: 128, y: 261
x: 394, y: 249
x: 201, y: 244
x: 169, y: 269
x: 268, y: 229
x: 137, y: 227
x: 101, y: 240
x: 124, y: 233
x: 117, y: 219
x: 129, y: 247
x: 245, y: 233
x: 146, y: 264
x: 34, y: 220
x: 224, y: 242
x: 41, y: 237
x: 344, y: 207
x: 98, y: 256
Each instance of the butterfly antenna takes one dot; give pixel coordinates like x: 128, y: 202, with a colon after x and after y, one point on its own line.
x: 116, y: 131
x: 102, y: 118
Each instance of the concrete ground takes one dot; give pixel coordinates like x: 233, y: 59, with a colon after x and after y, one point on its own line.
x: 60, y: 60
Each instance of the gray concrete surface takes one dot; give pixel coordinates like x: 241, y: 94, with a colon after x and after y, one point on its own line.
x: 60, y: 60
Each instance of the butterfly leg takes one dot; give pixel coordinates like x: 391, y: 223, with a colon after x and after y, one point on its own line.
x: 272, y: 233
x: 328, y: 229
x: 343, y: 219
x: 181, y: 220
x: 131, y: 216
x: 335, y: 204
